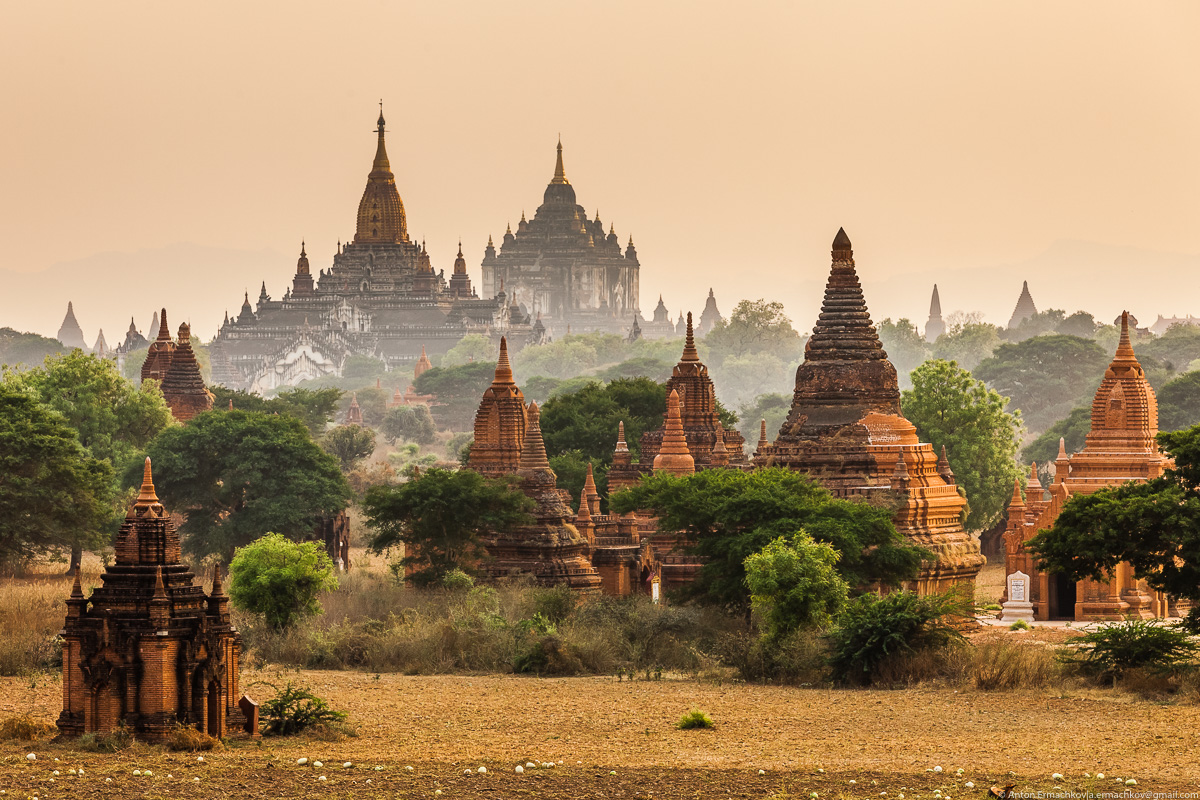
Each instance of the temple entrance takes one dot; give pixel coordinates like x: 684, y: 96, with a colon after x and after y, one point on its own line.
x: 1062, y: 597
x: 214, y: 710
x: 105, y: 710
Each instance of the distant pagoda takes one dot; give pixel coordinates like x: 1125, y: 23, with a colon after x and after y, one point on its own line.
x: 562, y: 265
x: 845, y: 428
x: 934, y: 326
x: 69, y: 333
x: 1025, y: 308
x: 710, y: 316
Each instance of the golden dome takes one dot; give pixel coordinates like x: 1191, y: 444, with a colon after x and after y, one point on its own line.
x: 381, y: 211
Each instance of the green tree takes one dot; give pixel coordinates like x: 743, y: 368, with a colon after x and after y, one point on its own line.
x: 640, y: 367
x: 794, y: 584
x: 739, y: 379
x: 363, y: 368
x: 587, y: 420
x: 314, y: 407
x: 372, y: 401
x: 1153, y: 525
x: 953, y: 410
x: 728, y: 515
x: 411, y: 423
x: 236, y: 474
x: 1179, y: 346
x: 26, y: 349
x: 904, y: 345
x: 439, y: 516
x: 968, y: 343
x: 1046, y: 376
x: 755, y: 326
x: 571, y: 468
x: 471, y: 348
x: 773, y: 408
x: 280, y: 579
x: 1073, y: 430
x: 349, y: 444
x: 53, y: 493
x: 1041, y: 323
x: 1080, y: 324
x: 458, y: 391
x: 1179, y: 403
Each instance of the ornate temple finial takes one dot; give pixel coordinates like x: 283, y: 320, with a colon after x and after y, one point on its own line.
x: 164, y: 331
x: 1034, y: 488
x: 508, y: 231
x: 560, y: 175
x: 673, y: 455
x: 504, y: 373
x: 489, y: 242
x: 218, y: 588
x: 160, y: 590
x: 584, y: 514
x: 77, y: 588
x: 612, y: 230
x: 762, y: 435
x: 689, y: 343
x: 1124, y: 346
x: 1017, y: 500
x: 943, y: 467
x: 900, y: 475
x: 381, y: 163
x: 523, y: 215
x: 1062, y: 464
x: 842, y: 250
x: 302, y: 253
x: 533, y: 453
x: 231, y: 404
x: 1062, y: 447
x: 147, y: 496
x: 622, y: 446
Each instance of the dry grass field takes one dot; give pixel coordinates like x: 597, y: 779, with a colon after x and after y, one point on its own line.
x: 617, y: 739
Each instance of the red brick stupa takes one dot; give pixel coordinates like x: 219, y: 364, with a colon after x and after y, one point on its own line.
x: 182, y: 386
x: 499, y: 423
x: 845, y: 428
x: 149, y: 649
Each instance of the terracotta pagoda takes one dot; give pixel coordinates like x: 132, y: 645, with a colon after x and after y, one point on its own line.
x: 845, y: 428
x: 1120, y: 448
x: 550, y: 549
x: 182, y: 386
x: 499, y: 423
x: 149, y: 649
x: 158, y: 359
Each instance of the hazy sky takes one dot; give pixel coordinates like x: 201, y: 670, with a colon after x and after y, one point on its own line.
x: 730, y: 139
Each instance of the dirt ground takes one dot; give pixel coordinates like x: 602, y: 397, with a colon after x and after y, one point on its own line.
x: 612, y: 739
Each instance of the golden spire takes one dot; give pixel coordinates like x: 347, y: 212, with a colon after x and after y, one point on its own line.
x: 674, y: 456
x: 381, y: 163
x: 146, y: 497
x: 689, y: 343
x: 504, y: 373
x: 560, y: 175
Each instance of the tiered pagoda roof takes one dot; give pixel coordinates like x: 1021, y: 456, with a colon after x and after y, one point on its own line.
x: 499, y: 423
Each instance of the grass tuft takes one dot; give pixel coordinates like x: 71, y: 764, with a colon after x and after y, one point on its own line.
x: 695, y: 720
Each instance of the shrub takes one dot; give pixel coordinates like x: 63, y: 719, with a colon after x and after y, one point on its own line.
x: 873, y: 629
x: 1008, y: 665
x: 457, y: 581
x: 694, y: 720
x: 280, y: 579
x: 1020, y: 625
x: 25, y: 729
x: 794, y: 583
x: 294, y: 708
x: 1107, y: 652
x: 113, y: 741
x: 190, y: 740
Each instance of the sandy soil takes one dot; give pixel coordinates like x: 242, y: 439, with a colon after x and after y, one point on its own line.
x: 617, y: 740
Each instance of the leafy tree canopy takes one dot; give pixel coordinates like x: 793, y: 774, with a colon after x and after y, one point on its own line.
x: 1179, y: 403
x: 755, y: 326
x: 412, y: 423
x: 729, y: 515
x: 1179, y: 346
x: 26, y: 349
x: 1073, y: 430
x: 349, y: 444
x: 314, y: 407
x: 458, y: 391
x: 1040, y: 324
x: 967, y: 343
x: 904, y: 345
x: 640, y: 367
x: 372, y: 401
x: 439, y: 516
x: 1155, y: 526
x: 280, y: 579
x: 739, y: 379
x: 363, y: 368
x: 773, y: 408
x: 587, y: 420
x: 471, y: 348
x: 1045, y: 376
x: 53, y: 493
x: 238, y: 474
x: 794, y: 584
x: 539, y: 389
x: 571, y: 466
x: 952, y: 409
x: 570, y: 356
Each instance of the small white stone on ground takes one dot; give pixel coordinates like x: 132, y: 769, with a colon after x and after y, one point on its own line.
x: 301, y: 761
x: 1056, y: 776
x: 1131, y: 782
x: 937, y: 769
x: 762, y: 772
x: 318, y: 764
x: 519, y: 769
x: 31, y: 757
x: 321, y: 778
x: 969, y: 785
x: 347, y: 765
x: 1100, y: 775
x: 482, y: 770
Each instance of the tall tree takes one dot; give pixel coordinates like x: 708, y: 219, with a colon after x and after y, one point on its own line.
x: 904, y: 345
x: 1179, y: 402
x: 729, y: 515
x: 1045, y: 376
x: 238, y: 474
x: 755, y: 326
x: 953, y: 410
x: 412, y: 423
x: 26, y: 349
x: 439, y: 517
x: 587, y: 420
x: 1155, y: 526
x: 968, y: 343
x: 314, y: 407
x: 458, y: 390
x: 349, y: 444
x: 53, y: 493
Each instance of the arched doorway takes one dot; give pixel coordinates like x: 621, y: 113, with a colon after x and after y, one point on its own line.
x: 105, y: 711
x: 1063, y: 593
x: 214, y: 710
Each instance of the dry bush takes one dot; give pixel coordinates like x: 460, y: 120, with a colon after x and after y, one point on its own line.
x: 25, y: 729
x: 1013, y: 665
x: 31, y: 615
x: 1189, y: 687
x: 119, y: 738
x: 909, y: 668
x: 190, y: 740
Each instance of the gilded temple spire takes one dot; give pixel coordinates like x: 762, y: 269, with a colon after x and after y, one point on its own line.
x: 560, y: 175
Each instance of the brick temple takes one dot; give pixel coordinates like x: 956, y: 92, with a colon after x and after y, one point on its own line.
x: 845, y: 428
x: 149, y: 649
x: 173, y: 364
x: 1119, y: 448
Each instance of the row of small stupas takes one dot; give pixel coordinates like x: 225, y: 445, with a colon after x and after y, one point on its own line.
x: 1120, y: 447
x: 382, y: 298
x: 845, y: 429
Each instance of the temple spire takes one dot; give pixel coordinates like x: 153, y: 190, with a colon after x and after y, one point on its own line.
x: 533, y: 453
x: 1124, y: 346
x: 381, y: 163
x: 560, y: 175
x: 504, y: 373
x: 622, y: 446
x: 673, y: 456
x: 146, y: 497
x: 689, y: 342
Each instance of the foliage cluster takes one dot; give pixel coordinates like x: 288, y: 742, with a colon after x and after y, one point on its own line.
x: 794, y: 584
x: 314, y: 407
x: 1111, y: 650
x: 280, y: 579
x: 295, y: 708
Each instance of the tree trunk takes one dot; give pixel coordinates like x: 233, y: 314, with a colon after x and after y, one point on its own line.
x: 76, y: 559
